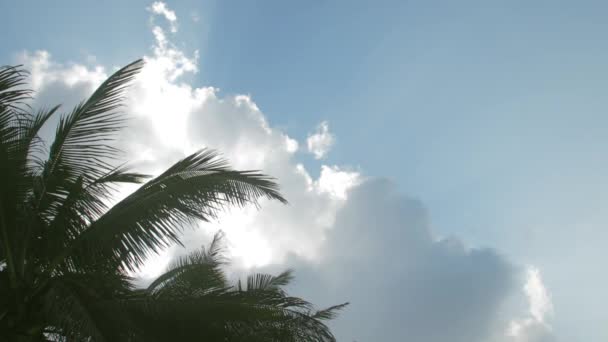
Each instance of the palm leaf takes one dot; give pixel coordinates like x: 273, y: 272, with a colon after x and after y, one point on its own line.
x: 80, y: 142
x: 82, y: 205
x: 266, y: 282
x: 195, y: 188
x: 82, y: 145
x: 64, y: 252
x: 80, y: 306
x: 12, y: 96
x: 182, y: 299
x: 199, y: 271
x: 12, y: 92
x: 329, y: 313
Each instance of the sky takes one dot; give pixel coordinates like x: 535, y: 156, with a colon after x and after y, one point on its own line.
x: 445, y: 162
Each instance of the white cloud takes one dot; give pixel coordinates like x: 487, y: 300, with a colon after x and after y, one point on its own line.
x: 45, y: 72
x: 291, y: 144
x: 64, y: 84
x: 336, y: 182
x: 171, y: 118
x: 540, y: 302
x: 321, y: 141
x: 174, y: 118
x: 533, y: 327
x: 160, y: 8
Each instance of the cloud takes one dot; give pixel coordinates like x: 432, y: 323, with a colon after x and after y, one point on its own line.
x: 540, y: 302
x: 534, y: 327
x: 64, y: 84
x: 170, y: 118
x: 195, y: 17
x: 45, y: 73
x: 350, y: 238
x: 404, y: 284
x: 321, y: 141
x: 160, y: 8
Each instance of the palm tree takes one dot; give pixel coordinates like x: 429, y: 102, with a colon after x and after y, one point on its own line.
x: 65, y: 254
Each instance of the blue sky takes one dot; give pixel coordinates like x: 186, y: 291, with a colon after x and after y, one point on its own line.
x: 491, y: 113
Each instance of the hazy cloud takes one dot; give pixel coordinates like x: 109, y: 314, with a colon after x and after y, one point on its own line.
x: 320, y: 142
x: 533, y: 327
x: 404, y: 283
x: 160, y: 8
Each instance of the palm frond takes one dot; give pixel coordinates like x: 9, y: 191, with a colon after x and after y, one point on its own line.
x: 195, y: 189
x: 65, y: 253
x: 82, y: 146
x: 232, y: 316
x: 81, y: 140
x: 198, y: 271
x: 329, y: 313
x: 31, y: 139
x: 79, y: 310
x: 79, y: 156
x: 12, y: 90
x: 266, y: 282
x: 187, y: 307
x: 12, y: 97
x: 82, y: 204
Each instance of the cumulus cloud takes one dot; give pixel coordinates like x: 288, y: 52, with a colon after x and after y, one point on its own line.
x: 171, y: 118
x: 350, y: 238
x: 404, y: 284
x: 320, y: 142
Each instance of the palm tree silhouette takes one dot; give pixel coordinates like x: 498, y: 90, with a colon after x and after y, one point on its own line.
x: 65, y: 254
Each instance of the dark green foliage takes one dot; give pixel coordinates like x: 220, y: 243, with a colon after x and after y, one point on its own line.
x: 65, y: 255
